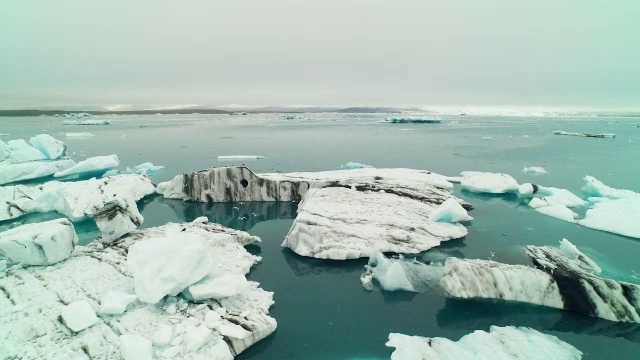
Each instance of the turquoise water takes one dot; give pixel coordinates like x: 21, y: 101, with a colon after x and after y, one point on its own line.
x: 321, y: 309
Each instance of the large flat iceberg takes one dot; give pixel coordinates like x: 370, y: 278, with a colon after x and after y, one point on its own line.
x: 91, y: 165
x: 499, y: 343
x: 179, y: 327
x: 486, y: 182
x: 351, y: 222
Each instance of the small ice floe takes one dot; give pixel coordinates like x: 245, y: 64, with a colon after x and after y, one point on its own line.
x: 450, y: 211
x: 499, y: 343
x: 85, y: 122
x: 406, y: 129
x: 11, y: 173
x: 618, y: 216
x: 91, y: 165
x: 354, y: 165
x: 400, y: 274
x: 410, y: 120
x: 593, y: 135
x: 552, y: 201
x: 42, y: 243
x: 79, y: 135
x: 143, y: 169
x: 535, y: 170
x: 563, y: 278
x: 239, y: 157
x: 486, y: 137
x: 486, y: 182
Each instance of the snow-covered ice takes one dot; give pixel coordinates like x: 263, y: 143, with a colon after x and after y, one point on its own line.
x: 85, y: 122
x: 91, y: 165
x: 49, y: 146
x: 500, y: 343
x: 486, y: 182
x: 401, y: 274
x: 143, y: 169
x: 596, y: 188
x: 354, y: 165
x: 218, y: 287
x: 135, y: 347
x: 98, y: 269
x: 79, y: 135
x: 115, y: 302
x: 618, y: 216
x: 410, y: 120
x: 343, y: 223
x: 18, y: 151
x: 43, y: 243
x: 78, y: 315
x: 594, y: 135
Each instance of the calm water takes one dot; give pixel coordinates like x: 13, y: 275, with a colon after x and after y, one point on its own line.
x: 321, y: 309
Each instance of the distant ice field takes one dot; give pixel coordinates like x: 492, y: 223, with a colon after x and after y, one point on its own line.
x: 321, y: 308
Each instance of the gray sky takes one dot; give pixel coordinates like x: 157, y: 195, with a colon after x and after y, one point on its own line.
x: 333, y: 52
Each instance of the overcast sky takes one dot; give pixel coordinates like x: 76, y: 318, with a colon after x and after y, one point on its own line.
x: 557, y: 53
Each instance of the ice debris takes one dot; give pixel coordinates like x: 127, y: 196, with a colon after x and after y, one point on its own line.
x: 535, y: 170
x: 78, y: 135
x: 135, y: 347
x: 354, y: 165
x: 499, y: 343
x: 117, y: 217
x: 450, y: 211
x: 51, y: 148
x: 78, y: 315
x: 85, y: 122
x: 410, y: 120
x: 43, y: 243
x: 239, y: 157
x: 594, y: 135
x: 115, y: 302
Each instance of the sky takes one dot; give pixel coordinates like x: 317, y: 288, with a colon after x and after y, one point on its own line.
x: 569, y: 53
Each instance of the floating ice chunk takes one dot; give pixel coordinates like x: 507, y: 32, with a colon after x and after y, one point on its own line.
x: 85, y: 122
x: 470, y: 278
x: 78, y: 315
x: 117, y: 218
x: 535, y: 170
x: 49, y: 146
x: 135, y: 347
x: 341, y: 223
x: 42, y: 243
x: 147, y: 169
x: 196, y: 336
x: 163, y: 335
x: 595, y: 188
x: 211, y: 287
x: 21, y: 152
x: 233, y: 330
x: 167, y: 265
x: 239, y: 157
x: 410, y: 120
x: 79, y: 135
x: 10, y: 173
x: 390, y: 275
x: 556, y: 196
x: 617, y: 216
x: 485, y: 182
x: 594, y: 135
x: 556, y: 210
x: 450, y: 211
x: 527, y: 189
x: 354, y: 165
x: 499, y: 343
x: 115, y: 302
x: 92, y: 164
x: 401, y: 274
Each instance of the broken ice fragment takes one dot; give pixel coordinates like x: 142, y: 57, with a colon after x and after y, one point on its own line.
x: 135, y: 347
x: 42, y: 243
x: 78, y: 315
x: 115, y: 302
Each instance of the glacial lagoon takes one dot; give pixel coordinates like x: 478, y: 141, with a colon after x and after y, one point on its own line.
x: 322, y: 310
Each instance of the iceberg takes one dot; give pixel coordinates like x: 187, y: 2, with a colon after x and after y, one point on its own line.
x: 239, y: 157
x: 499, y: 343
x: 11, y: 173
x: 51, y: 148
x: 410, y: 120
x: 618, y: 216
x: 593, y: 135
x: 535, y: 170
x: 401, y: 274
x: 94, y: 272
x: 450, y: 211
x: 85, y: 122
x: 351, y: 222
x: 485, y: 182
x: 91, y: 165
x: 143, y: 169
x: 117, y: 218
x: 238, y: 183
x: 595, y: 188
x: 76, y: 200
x: 563, y: 278
x: 18, y: 151
x: 42, y: 243
x: 354, y: 165
x: 81, y: 135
